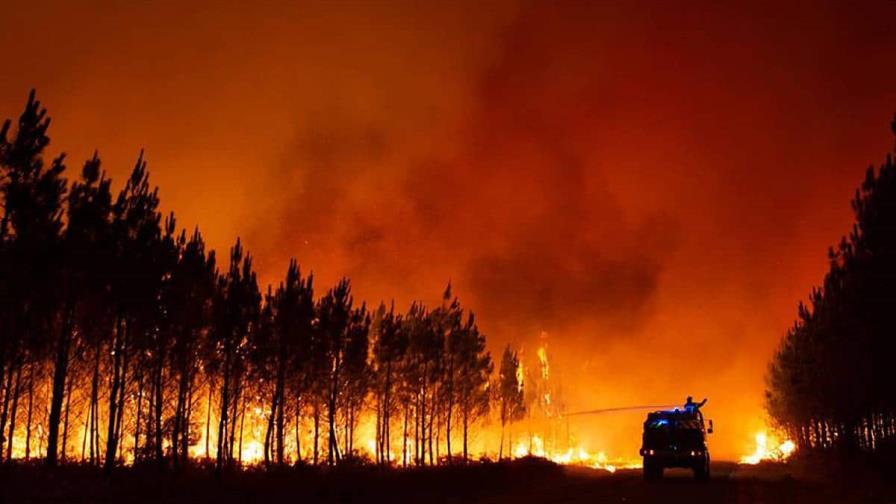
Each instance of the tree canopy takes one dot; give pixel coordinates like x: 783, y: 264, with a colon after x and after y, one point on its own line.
x: 828, y: 383
x: 156, y: 352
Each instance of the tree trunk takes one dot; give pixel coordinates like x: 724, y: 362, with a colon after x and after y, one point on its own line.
x: 12, y: 417
x: 179, y: 413
x: 7, y: 390
x: 417, y: 428
x: 316, y: 430
x: 222, y: 420
x: 185, y: 431
x: 404, y: 450
x: 298, y: 428
x: 111, y: 441
x: 466, y: 420
x: 59, y: 374
x: 234, y: 415
x: 157, y: 417
x: 380, y: 432
x: 208, y: 416
x: 448, y: 429
x: 332, y: 445
x: 68, y: 402
x: 351, y: 430
x: 137, y: 421
x: 281, y: 428
x: 387, y: 414
x: 30, y: 412
x: 242, y: 422
x: 94, y: 408
x: 3, y: 339
x: 423, y: 420
x: 269, y: 430
x: 121, y: 392
x: 86, y: 431
x: 176, y: 421
x: 432, y: 422
x: 281, y: 399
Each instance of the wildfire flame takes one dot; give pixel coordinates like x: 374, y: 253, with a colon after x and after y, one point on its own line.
x: 771, y: 448
x: 543, y: 359
x: 544, y: 415
x: 543, y: 427
x: 572, y: 456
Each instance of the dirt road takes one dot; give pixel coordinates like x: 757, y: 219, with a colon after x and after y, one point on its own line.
x: 518, y: 482
x: 729, y: 483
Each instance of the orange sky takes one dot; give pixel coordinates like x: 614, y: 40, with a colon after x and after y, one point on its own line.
x: 653, y: 186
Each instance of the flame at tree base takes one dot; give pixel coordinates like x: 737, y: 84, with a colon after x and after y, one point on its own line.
x: 577, y: 456
x: 769, y: 447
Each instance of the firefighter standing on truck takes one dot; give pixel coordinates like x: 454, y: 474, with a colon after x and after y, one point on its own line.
x: 691, y: 407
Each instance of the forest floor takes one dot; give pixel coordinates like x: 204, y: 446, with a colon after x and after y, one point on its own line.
x: 518, y: 482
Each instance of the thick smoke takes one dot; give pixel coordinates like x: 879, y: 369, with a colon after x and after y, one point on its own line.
x: 516, y: 210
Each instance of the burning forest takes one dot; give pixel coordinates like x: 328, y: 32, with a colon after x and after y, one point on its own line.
x: 125, y: 341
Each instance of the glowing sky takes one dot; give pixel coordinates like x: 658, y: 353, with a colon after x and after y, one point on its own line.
x: 653, y: 185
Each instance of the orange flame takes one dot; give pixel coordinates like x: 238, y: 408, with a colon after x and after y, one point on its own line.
x: 769, y: 447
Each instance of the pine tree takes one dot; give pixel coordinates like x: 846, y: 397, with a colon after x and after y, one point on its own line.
x: 135, y: 286
x: 473, y: 368
x: 86, y: 246
x: 334, y: 312
x: 356, y: 373
x: 447, y: 322
x: 282, y: 350
x: 237, y: 309
x: 827, y: 383
x: 509, y: 390
x: 187, y: 302
x: 113, y: 303
x: 389, y: 348
x: 33, y: 197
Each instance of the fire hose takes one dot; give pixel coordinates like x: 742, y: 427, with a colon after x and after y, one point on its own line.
x: 622, y: 408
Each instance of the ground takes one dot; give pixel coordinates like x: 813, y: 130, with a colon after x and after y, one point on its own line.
x: 519, y: 482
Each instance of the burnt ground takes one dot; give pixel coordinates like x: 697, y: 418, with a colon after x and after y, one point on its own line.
x: 518, y: 482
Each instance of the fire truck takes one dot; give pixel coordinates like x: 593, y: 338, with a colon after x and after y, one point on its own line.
x: 675, y: 438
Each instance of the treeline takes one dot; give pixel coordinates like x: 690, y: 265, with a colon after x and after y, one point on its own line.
x: 123, y: 338
x: 829, y: 383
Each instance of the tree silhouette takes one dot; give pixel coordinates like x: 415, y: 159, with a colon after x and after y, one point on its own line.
x: 509, y: 391
x: 237, y: 308
x: 446, y: 322
x: 472, y: 369
x: 423, y: 372
x: 86, y: 245
x: 119, y: 335
x: 827, y: 383
x: 356, y: 374
x: 334, y: 315
x: 33, y: 208
x: 135, y: 286
x: 282, y: 350
x: 188, y: 303
x: 389, y: 349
